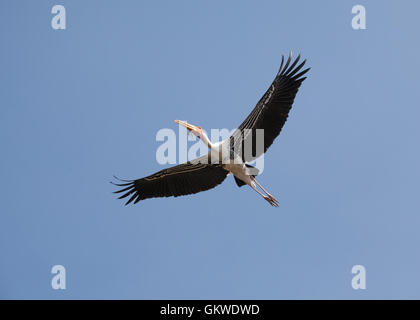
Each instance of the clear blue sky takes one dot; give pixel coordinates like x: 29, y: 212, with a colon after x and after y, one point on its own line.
x: 81, y: 104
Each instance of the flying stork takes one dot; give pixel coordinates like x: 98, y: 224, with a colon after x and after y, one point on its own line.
x: 228, y: 156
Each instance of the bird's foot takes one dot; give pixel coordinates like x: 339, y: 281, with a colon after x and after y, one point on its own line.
x: 271, y: 200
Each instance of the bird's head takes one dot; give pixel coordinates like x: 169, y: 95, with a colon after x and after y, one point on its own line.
x: 195, y: 130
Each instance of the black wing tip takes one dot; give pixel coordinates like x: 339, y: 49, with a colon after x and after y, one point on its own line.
x: 123, y: 180
x: 290, y: 70
x: 134, y: 196
x: 298, y: 77
x: 129, y: 188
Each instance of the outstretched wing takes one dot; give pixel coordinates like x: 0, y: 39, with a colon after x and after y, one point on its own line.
x: 271, y: 111
x: 187, y: 178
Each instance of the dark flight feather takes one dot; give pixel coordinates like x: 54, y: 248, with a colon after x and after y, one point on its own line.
x: 271, y: 111
x: 187, y: 178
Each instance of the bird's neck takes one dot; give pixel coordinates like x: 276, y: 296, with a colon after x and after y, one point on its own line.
x: 203, y: 137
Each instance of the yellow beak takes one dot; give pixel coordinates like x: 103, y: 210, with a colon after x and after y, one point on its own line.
x: 190, y: 127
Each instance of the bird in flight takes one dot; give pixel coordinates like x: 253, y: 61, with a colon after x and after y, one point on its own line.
x: 231, y: 155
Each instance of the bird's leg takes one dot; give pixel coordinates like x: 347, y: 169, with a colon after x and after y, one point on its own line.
x: 267, y: 193
x: 270, y: 200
